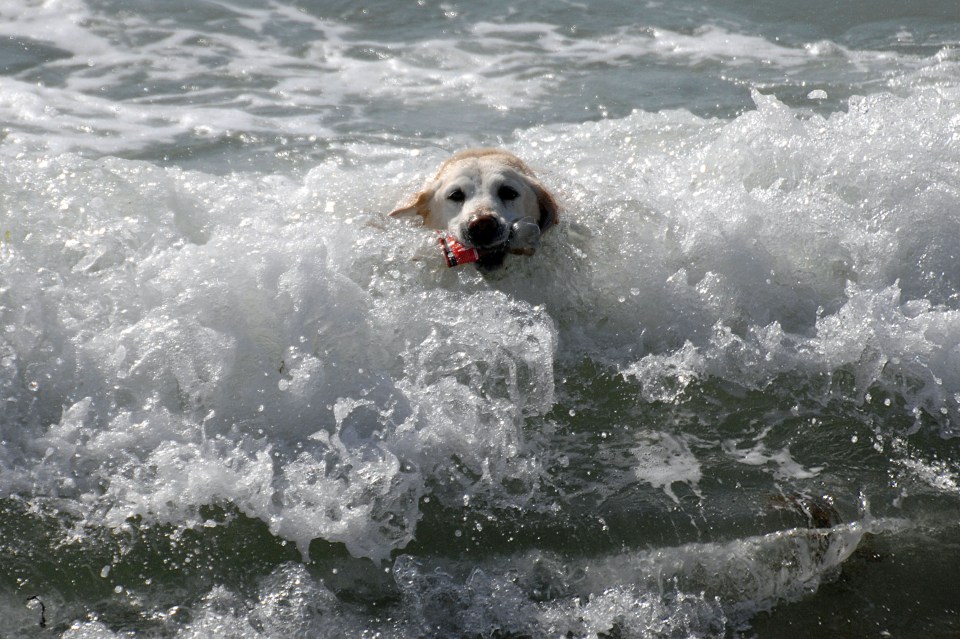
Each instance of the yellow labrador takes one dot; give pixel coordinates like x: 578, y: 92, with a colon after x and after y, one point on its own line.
x: 488, y: 200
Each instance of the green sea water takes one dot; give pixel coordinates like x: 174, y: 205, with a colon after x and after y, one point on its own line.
x: 237, y: 400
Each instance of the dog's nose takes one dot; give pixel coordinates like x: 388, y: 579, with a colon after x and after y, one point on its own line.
x: 484, y: 230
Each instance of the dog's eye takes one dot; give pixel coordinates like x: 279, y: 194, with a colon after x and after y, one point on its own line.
x: 507, y: 193
x: 456, y: 195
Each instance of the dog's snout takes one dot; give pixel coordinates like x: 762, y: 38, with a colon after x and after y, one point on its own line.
x: 484, y: 230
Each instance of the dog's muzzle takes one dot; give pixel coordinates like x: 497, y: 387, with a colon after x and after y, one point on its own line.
x: 485, y: 231
x: 523, y: 238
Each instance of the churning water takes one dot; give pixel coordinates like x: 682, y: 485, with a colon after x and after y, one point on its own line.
x: 236, y: 400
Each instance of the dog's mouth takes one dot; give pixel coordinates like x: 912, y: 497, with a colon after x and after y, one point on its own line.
x: 522, y: 239
x: 492, y: 259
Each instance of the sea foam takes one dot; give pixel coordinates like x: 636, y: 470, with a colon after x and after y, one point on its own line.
x: 174, y: 339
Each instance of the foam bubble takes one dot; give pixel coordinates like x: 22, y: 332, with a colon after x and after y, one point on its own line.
x: 174, y: 339
x: 696, y: 589
x: 666, y: 460
x: 785, y: 466
x: 177, y: 339
x: 205, y: 347
x: 221, y: 82
x: 753, y: 244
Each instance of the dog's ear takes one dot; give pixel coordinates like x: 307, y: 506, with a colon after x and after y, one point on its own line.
x: 416, y: 205
x: 549, y: 209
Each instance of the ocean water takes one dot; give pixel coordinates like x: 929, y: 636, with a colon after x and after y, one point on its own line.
x: 237, y: 400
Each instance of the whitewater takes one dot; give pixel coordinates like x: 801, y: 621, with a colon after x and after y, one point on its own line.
x: 238, y: 400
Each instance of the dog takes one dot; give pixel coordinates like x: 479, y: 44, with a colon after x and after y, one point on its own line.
x: 489, y: 200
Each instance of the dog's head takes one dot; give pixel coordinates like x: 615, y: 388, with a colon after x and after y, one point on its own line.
x: 481, y: 197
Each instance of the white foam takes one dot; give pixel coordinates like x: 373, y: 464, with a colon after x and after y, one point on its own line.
x: 697, y: 589
x: 131, y: 82
x: 785, y: 466
x: 774, y: 243
x: 666, y: 460
x: 173, y: 339
x: 205, y: 348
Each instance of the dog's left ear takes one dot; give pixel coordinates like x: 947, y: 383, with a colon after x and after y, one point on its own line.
x: 549, y: 209
x: 416, y: 205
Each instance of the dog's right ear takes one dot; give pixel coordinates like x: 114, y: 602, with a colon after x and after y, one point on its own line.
x: 417, y: 205
x: 549, y: 209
